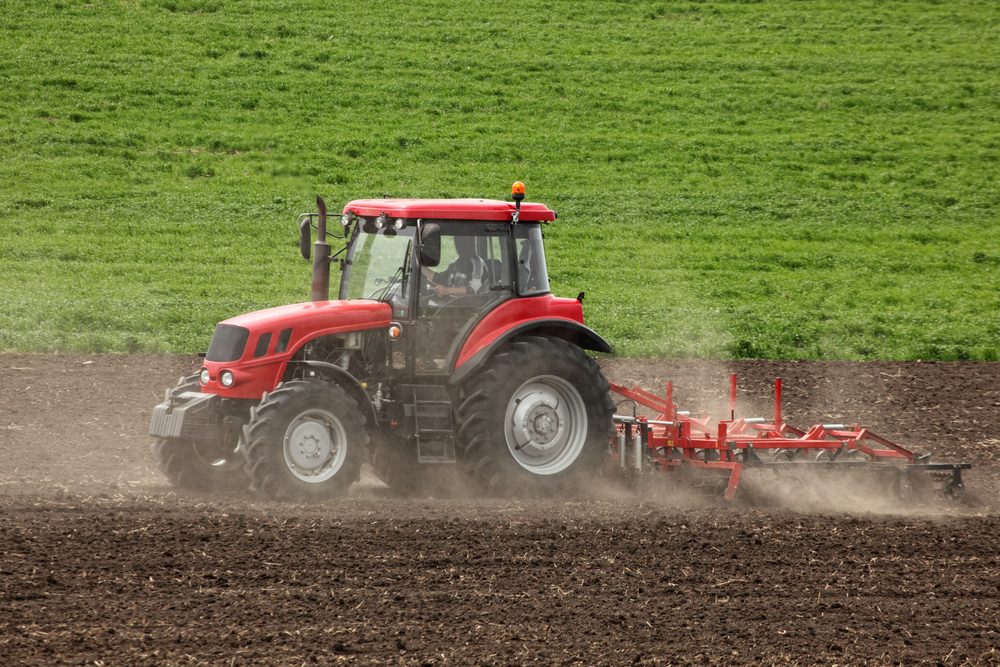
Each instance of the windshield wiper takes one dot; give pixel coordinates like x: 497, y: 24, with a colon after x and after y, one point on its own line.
x: 383, y: 294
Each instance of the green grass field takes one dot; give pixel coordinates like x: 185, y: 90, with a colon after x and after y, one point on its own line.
x: 812, y: 179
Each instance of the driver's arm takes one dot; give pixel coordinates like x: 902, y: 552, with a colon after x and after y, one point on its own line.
x: 439, y: 289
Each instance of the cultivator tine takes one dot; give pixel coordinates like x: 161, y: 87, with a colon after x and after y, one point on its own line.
x: 673, y: 441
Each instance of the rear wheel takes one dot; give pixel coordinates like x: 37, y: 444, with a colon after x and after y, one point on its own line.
x: 536, y: 419
x: 307, y: 442
x: 200, y: 465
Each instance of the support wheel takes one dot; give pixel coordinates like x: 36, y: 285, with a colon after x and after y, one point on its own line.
x: 200, y: 465
x: 535, y: 420
x: 953, y: 491
x: 307, y: 442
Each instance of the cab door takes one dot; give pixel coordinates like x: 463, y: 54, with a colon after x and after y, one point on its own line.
x: 474, y: 275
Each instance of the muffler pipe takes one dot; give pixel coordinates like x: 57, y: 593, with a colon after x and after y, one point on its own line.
x: 321, y: 257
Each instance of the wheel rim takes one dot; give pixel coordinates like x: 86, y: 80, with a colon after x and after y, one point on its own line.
x: 546, y: 425
x: 218, y: 459
x: 315, y: 446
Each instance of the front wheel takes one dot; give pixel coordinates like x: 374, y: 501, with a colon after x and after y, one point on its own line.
x: 200, y: 465
x: 307, y: 442
x: 536, y: 419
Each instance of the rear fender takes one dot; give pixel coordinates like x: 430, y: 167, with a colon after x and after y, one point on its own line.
x: 568, y: 330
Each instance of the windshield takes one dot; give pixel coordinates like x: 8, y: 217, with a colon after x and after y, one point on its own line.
x: 379, y: 266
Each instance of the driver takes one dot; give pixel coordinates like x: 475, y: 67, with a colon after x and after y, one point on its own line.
x: 466, y: 275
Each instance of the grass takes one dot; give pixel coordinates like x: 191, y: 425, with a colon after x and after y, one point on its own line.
x: 774, y: 179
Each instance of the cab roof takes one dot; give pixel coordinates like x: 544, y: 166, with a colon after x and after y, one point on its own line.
x: 450, y: 209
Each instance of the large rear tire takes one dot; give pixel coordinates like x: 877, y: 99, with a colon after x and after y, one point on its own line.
x: 535, y: 420
x: 307, y: 442
x: 200, y: 466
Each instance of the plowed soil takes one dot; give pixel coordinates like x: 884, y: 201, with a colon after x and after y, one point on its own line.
x: 102, y: 563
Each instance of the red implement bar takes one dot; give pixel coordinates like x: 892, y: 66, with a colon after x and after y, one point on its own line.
x: 674, y: 439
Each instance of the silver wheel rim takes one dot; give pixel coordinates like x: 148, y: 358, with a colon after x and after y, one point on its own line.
x: 315, y: 446
x: 545, y: 425
x: 218, y: 461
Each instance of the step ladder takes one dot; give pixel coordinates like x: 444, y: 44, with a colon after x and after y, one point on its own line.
x: 427, y: 411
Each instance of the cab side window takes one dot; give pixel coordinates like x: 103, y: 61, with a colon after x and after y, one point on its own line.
x: 532, y: 277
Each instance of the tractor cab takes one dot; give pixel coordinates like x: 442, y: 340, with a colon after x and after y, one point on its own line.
x: 441, y: 274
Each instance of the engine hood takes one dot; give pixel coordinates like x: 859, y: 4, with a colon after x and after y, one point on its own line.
x: 256, y: 347
x: 277, y: 332
x: 319, y: 317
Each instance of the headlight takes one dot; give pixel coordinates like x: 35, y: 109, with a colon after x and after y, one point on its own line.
x: 227, y: 378
x: 382, y: 221
x: 205, y: 376
x: 399, y: 224
x: 345, y: 220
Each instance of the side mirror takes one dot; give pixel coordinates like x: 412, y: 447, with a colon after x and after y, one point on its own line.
x: 430, y: 245
x: 305, y: 237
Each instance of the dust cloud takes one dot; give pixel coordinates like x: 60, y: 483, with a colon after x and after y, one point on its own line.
x: 78, y: 424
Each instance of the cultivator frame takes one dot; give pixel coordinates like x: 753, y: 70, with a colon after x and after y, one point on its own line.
x: 675, y: 441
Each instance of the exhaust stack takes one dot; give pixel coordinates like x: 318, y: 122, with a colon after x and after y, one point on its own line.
x: 321, y: 257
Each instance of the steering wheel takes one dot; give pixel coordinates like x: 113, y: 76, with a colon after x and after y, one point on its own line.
x: 457, y: 300
x: 380, y: 286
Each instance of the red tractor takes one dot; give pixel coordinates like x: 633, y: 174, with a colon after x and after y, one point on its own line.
x: 445, y: 346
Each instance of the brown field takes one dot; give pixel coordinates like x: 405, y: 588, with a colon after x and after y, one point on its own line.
x: 102, y: 563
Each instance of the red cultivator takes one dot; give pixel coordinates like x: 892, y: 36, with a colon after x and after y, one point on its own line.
x: 675, y: 442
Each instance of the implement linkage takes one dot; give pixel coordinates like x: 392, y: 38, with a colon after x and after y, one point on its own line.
x: 675, y: 441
